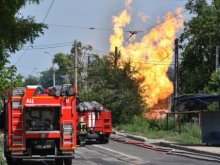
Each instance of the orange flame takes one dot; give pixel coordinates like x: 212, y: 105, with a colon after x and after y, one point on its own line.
x: 152, y: 55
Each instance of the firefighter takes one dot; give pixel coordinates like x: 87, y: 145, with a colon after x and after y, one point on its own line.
x: 82, y: 129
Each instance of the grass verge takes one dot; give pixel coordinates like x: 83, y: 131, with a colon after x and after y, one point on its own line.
x: 2, y: 161
x: 157, y: 129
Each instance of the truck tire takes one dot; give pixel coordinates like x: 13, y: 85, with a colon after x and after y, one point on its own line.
x: 78, y: 141
x: 10, y: 161
x: 18, y: 161
x: 68, y: 161
x: 106, y: 140
x: 101, y: 140
x: 59, y: 161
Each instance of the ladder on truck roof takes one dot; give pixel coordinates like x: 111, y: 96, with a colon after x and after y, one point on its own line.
x: 17, y: 122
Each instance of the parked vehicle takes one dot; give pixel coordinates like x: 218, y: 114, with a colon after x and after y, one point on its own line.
x: 98, y: 120
x: 40, y: 124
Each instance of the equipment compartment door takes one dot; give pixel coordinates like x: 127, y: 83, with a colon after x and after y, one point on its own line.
x: 68, y: 123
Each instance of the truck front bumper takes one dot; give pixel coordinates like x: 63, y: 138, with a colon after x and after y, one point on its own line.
x: 43, y: 157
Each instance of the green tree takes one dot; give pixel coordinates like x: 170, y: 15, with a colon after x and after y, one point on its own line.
x: 115, y: 88
x: 213, y: 88
x: 15, y: 31
x: 46, y: 79
x: 198, y: 41
x: 30, y: 80
x: 105, y: 82
x: 8, y: 78
x: 213, y: 85
x: 66, y: 63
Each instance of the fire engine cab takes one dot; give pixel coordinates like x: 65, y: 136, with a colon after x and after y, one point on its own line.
x: 40, y: 124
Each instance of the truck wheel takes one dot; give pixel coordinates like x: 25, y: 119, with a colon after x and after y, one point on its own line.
x: 68, y: 161
x: 18, y: 161
x: 59, y: 161
x: 78, y: 141
x: 10, y: 161
x: 101, y: 140
x: 106, y: 140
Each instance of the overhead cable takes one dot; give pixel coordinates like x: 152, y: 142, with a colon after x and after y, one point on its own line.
x: 81, y: 27
x: 48, y: 11
x: 140, y: 31
x: 161, y: 22
x: 42, y: 22
x: 48, y: 47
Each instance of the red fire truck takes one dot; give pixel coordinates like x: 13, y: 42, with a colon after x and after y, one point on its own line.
x: 98, y: 120
x: 40, y: 124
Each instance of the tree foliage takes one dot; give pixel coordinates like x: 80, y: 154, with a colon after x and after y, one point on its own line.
x: 115, y: 88
x: 199, y: 40
x: 30, y: 80
x: 15, y: 31
x: 213, y: 88
x: 213, y: 84
x: 66, y: 63
x: 104, y: 81
x: 46, y: 79
x: 8, y: 79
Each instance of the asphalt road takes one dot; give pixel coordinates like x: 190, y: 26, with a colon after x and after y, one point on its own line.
x: 116, y: 153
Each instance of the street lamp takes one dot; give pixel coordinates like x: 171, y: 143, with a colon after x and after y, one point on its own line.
x: 52, y: 68
x: 39, y: 78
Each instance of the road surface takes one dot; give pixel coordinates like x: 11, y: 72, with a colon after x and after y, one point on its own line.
x: 117, y: 153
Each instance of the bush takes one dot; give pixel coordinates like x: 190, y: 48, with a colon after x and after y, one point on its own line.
x: 190, y: 132
x: 2, y: 161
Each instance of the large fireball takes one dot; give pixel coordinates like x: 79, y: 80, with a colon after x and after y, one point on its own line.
x: 152, y: 55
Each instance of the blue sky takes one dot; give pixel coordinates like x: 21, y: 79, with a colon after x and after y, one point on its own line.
x: 83, y: 13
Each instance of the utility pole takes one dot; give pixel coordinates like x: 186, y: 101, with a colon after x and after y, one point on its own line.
x: 176, y: 79
x: 54, y: 84
x: 219, y: 85
x: 217, y: 59
x: 75, y: 66
x: 88, y: 68
x: 176, y: 92
x: 116, y: 56
x: 39, y: 78
x: 53, y: 69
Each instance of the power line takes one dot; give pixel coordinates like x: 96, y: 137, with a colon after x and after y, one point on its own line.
x: 49, y: 47
x: 99, y: 52
x: 158, y: 62
x: 143, y: 62
x: 161, y: 22
x: 43, y: 22
x: 48, y: 11
x: 92, y: 28
x: 58, y: 45
x: 81, y: 27
x: 131, y: 34
x: 140, y: 31
x: 63, y: 43
x: 149, y: 62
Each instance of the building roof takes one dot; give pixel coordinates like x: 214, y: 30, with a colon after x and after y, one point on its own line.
x: 205, y: 98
